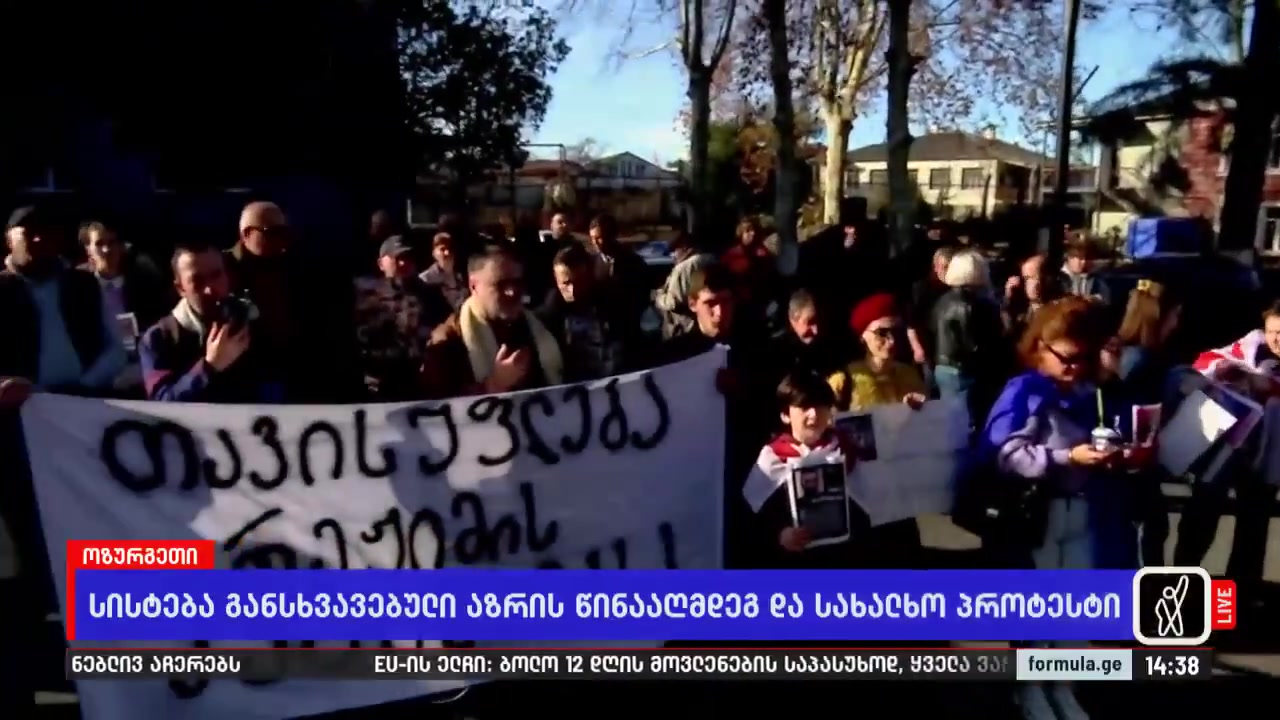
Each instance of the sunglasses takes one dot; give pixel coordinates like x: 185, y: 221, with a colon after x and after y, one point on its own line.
x: 1073, y: 360
x: 885, y: 332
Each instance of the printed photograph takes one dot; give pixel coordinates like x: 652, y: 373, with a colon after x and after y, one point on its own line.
x: 127, y: 326
x: 859, y: 435
x: 810, y: 482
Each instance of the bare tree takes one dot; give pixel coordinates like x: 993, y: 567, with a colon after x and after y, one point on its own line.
x: 843, y: 40
x: 1231, y: 86
x: 786, y: 204
x: 702, y: 52
x: 902, y: 66
x: 585, y: 150
x: 1256, y: 113
x: 1215, y: 27
x: 972, y: 66
x: 703, y: 31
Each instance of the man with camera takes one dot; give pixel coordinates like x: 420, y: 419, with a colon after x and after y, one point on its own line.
x: 202, y: 351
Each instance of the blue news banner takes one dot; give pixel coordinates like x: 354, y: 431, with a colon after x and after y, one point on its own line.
x: 602, y: 605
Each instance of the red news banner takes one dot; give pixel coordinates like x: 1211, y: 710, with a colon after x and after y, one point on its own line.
x: 131, y: 555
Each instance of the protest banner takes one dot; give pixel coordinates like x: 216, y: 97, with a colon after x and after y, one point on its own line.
x: 906, y: 460
x: 622, y: 473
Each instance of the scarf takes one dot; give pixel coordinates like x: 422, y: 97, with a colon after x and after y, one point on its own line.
x: 773, y: 465
x: 188, y: 319
x: 482, y: 346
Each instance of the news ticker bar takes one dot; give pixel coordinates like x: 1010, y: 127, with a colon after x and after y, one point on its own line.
x: 657, y: 664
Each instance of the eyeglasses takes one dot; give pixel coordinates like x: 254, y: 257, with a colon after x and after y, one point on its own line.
x: 271, y: 230
x: 1073, y: 360
x: 885, y: 332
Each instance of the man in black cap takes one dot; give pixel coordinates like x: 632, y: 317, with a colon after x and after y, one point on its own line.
x: 396, y: 258
x: 57, y: 331
x: 56, y: 334
x: 395, y: 314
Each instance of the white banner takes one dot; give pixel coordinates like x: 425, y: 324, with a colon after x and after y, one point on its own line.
x: 907, y: 459
x: 623, y: 473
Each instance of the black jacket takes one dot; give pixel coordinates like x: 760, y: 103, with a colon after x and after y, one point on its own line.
x: 969, y: 333
x: 619, y: 334
x: 787, y: 354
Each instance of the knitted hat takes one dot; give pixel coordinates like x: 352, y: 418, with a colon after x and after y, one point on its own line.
x: 871, y: 309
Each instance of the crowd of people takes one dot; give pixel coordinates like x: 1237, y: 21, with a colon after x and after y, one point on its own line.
x: 470, y: 315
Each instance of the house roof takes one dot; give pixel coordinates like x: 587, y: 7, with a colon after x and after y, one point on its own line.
x: 1106, y: 122
x: 954, y: 145
x: 607, y: 159
x: 549, y: 168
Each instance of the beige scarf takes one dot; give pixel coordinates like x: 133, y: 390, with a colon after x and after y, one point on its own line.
x: 188, y: 319
x: 482, y: 346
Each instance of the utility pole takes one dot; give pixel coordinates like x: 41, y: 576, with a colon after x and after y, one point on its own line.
x: 1065, y: 97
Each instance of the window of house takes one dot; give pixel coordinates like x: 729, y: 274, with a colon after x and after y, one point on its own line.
x: 913, y: 177
x: 879, y: 177
x: 940, y: 178
x: 971, y: 178
x: 851, y: 178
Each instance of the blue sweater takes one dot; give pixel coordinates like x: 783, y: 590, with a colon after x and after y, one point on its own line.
x: 1030, y: 433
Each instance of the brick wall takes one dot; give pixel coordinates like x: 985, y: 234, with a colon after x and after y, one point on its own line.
x: 1201, y: 157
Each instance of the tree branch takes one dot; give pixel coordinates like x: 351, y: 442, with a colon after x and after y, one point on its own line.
x: 726, y: 27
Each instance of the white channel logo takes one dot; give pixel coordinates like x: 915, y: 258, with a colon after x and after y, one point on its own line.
x: 1170, y: 619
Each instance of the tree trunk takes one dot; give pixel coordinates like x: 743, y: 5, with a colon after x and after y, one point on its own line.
x: 699, y: 142
x: 785, y: 205
x: 902, y: 65
x: 1255, y: 112
x: 837, y: 128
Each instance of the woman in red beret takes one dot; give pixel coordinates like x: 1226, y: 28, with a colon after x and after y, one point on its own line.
x: 878, y: 378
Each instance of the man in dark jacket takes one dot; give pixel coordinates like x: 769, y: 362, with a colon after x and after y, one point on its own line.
x: 626, y: 272
x: 131, y: 284
x: 306, y: 326
x: 805, y: 346
x: 58, y: 333
x: 395, y: 316
x: 492, y: 344
x: 751, y: 416
x: 596, y: 338
x: 133, y: 290
x: 55, y: 334
x: 204, y: 350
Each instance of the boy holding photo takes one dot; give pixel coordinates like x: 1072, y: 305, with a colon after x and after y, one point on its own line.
x: 806, y: 404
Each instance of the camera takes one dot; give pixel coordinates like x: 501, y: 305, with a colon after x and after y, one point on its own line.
x: 236, y: 310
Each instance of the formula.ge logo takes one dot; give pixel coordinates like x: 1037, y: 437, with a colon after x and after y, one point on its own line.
x: 1180, y: 606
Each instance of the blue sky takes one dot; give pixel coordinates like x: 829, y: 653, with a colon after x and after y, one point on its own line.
x: 633, y: 106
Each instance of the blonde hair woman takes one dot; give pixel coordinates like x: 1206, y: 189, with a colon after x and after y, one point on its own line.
x: 1150, y: 319
x: 971, y: 354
